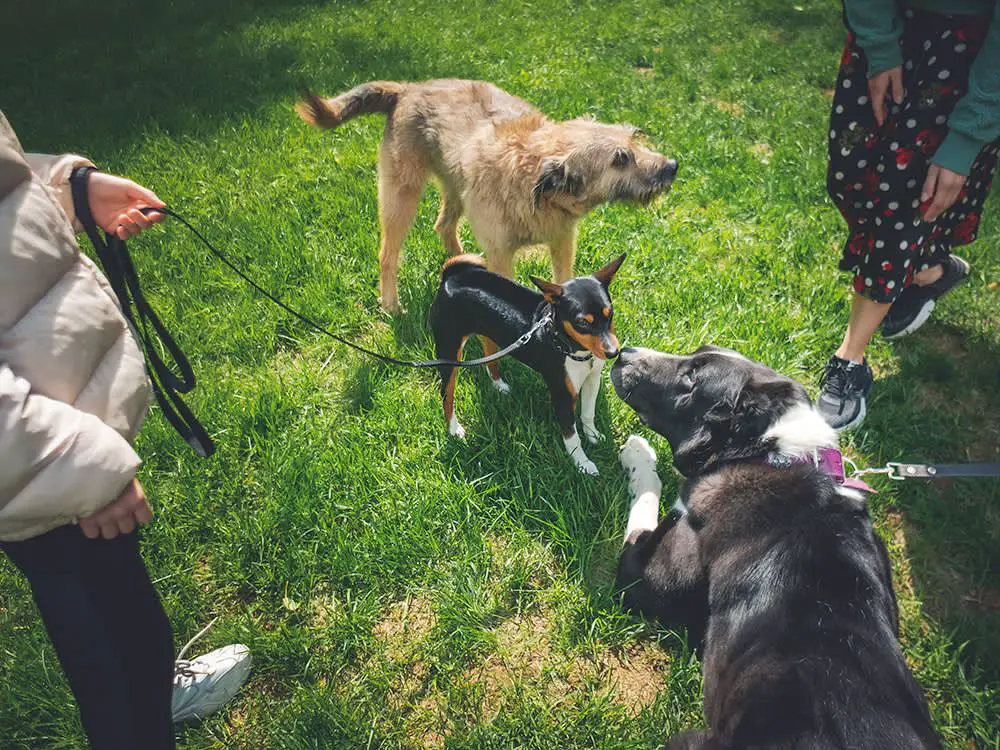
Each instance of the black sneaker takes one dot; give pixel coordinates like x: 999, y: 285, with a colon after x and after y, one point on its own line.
x: 844, y: 393
x: 914, y: 305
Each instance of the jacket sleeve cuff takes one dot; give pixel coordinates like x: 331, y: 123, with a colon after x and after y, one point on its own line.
x: 883, y: 56
x: 54, y: 171
x: 57, y: 463
x: 957, y: 152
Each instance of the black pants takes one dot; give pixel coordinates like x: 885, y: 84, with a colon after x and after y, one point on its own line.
x: 109, y: 630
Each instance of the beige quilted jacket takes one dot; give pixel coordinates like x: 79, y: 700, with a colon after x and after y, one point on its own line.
x: 73, y: 385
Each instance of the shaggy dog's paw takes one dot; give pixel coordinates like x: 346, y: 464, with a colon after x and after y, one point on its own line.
x: 637, y: 456
x: 590, y: 432
x: 392, y: 307
x: 587, y: 467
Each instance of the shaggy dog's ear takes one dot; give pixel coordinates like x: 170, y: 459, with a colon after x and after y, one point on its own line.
x: 550, y: 290
x: 608, y: 272
x: 555, y: 177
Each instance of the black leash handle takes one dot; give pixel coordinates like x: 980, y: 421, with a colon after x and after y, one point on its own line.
x: 167, y: 384
x: 937, y: 471
x: 517, y: 344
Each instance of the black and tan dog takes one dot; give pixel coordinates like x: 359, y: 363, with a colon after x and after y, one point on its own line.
x: 568, y: 352
x: 768, y: 557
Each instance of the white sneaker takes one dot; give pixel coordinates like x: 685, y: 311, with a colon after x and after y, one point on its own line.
x: 204, y: 685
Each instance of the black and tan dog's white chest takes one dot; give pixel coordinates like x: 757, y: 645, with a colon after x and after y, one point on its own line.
x: 569, y: 350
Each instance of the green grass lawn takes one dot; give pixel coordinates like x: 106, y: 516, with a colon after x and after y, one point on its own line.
x: 399, y: 589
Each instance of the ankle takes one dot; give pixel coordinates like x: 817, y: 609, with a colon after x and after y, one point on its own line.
x: 849, y: 355
x: 928, y: 275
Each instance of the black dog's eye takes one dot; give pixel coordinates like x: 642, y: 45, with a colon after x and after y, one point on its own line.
x: 622, y: 158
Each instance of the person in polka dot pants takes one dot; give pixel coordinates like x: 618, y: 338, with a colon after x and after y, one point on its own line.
x: 913, y: 143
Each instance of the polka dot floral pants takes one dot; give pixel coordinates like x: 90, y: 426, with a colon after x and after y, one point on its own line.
x: 876, y: 173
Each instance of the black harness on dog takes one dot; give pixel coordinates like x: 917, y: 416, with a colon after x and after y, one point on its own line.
x: 560, y: 341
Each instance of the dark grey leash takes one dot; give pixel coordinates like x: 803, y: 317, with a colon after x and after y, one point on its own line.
x: 520, y: 341
x: 899, y: 471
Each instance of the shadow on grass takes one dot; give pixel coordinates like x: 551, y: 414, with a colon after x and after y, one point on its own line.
x: 80, y: 76
x: 362, y: 383
x: 515, y: 441
x: 942, y: 407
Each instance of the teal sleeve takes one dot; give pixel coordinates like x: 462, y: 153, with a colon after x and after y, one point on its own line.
x: 975, y: 121
x: 877, y: 27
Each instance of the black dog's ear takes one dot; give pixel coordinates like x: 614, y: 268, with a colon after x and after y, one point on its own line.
x: 608, y: 272
x: 748, y: 413
x: 692, y: 453
x: 759, y: 402
x: 555, y: 177
x: 550, y: 290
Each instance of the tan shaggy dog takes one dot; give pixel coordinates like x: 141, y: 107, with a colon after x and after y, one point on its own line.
x: 520, y: 178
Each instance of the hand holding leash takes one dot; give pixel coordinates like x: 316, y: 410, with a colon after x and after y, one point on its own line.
x: 117, y: 205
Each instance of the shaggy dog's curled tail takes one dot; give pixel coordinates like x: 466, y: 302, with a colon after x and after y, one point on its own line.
x: 366, y: 99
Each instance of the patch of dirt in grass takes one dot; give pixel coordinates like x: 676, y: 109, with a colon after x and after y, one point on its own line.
x: 733, y: 109
x: 406, y: 624
x: 643, y: 70
x: 828, y: 94
x: 202, y: 573
x: 763, y: 152
x: 636, y: 674
x: 403, y: 631
x: 524, y: 648
x: 525, y: 655
x: 902, y: 576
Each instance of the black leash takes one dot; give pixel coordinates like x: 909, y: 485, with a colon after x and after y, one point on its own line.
x: 118, y: 266
x: 168, y: 384
x: 520, y: 341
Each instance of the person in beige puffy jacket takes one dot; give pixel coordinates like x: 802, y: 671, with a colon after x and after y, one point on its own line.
x: 73, y: 394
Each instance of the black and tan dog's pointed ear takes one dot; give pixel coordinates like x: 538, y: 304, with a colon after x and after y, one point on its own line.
x: 550, y: 290
x: 608, y: 272
x: 555, y: 176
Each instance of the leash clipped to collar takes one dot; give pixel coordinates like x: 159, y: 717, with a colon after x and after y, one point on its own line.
x: 830, y: 461
x: 168, y: 385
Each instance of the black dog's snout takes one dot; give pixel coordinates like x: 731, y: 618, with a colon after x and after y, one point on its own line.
x: 668, y: 172
x: 623, y: 355
x: 618, y: 371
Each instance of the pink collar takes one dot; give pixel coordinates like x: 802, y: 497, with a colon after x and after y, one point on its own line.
x: 828, y: 460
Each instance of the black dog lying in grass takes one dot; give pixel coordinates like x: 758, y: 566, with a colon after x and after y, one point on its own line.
x: 768, y: 559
